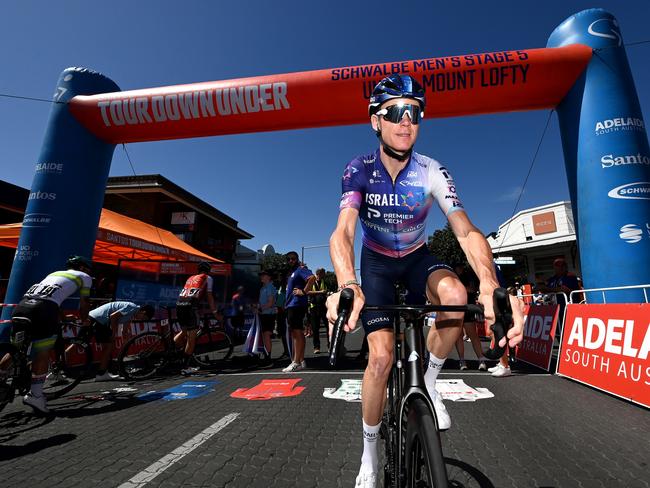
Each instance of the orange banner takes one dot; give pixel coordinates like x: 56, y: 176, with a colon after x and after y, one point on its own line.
x: 455, y: 85
x: 606, y: 346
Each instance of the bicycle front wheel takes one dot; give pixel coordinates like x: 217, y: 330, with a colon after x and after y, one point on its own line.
x: 70, y: 362
x: 143, y: 356
x: 424, y: 462
x: 212, y: 347
x: 14, y: 374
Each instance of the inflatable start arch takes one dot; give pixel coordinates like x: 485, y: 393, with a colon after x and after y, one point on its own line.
x: 583, y: 73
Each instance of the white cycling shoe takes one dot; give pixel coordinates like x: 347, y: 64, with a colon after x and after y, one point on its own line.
x: 38, y: 403
x: 366, y: 479
x: 444, y: 420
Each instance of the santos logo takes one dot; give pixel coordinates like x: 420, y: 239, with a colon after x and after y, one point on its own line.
x: 601, y: 25
x: 639, y: 190
x: 39, y: 195
x: 609, y: 160
x: 631, y: 233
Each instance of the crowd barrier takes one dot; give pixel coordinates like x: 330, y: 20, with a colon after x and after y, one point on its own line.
x: 606, y: 345
x: 541, y: 320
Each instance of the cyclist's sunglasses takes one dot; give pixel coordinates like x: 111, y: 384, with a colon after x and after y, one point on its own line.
x: 395, y: 113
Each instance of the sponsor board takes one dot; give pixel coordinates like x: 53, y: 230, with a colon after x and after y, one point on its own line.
x: 540, y: 322
x: 607, y: 346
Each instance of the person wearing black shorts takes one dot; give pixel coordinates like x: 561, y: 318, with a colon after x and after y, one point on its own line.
x: 299, y: 283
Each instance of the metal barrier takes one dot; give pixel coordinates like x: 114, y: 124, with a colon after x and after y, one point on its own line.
x: 614, y: 288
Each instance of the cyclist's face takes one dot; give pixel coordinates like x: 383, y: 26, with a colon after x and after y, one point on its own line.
x: 293, y: 261
x: 402, y: 135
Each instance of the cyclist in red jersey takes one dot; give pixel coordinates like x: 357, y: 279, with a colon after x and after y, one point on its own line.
x: 197, y: 290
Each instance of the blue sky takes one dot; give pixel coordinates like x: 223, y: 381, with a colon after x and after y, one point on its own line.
x: 284, y: 187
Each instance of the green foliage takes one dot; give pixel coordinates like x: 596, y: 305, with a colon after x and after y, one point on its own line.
x: 330, y: 281
x: 276, y: 264
x: 445, y: 246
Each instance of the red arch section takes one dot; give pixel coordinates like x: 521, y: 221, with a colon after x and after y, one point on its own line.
x: 455, y: 85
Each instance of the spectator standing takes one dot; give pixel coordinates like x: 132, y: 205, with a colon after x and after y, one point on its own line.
x: 561, y: 282
x: 267, y: 311
x: 237, y: 306
x: 299, y: 283
x: 281, y: 319
x: 317, y: 309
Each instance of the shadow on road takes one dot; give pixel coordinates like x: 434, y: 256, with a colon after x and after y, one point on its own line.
x: 12, y: 452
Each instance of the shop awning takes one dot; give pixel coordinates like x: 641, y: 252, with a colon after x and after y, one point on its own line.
x: 121, y: 237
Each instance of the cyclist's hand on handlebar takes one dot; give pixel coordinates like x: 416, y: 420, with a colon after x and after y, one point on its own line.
x: 516, y: 333
x: 333, y: 304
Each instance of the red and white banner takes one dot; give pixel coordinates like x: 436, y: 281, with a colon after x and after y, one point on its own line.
x: 606, y: 346
x: 539, y: 331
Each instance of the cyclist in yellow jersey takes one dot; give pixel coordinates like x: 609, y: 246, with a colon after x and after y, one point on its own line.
x: 41, y: 304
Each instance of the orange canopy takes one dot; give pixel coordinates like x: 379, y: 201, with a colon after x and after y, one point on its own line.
x: 121, y: 237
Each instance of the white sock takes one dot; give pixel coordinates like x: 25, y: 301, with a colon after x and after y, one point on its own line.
x: 435, y: 365
x: 370, y: 456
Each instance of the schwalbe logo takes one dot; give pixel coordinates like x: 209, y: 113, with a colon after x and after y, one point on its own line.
x: 639, y: 190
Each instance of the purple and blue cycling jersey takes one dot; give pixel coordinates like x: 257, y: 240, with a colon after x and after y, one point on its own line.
x: 393, y: 214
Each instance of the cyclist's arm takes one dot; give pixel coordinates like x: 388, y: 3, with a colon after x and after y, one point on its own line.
x: 84, y: 308
x: 479, y: 254
x: 114, y: 319
x: 342, y: 255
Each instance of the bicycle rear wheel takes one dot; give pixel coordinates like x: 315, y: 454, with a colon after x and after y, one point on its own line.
x: 143, y: 356
x: 212, y: 347
x: 70, y: 362
x: 14, y: 374
x: 424, y: 462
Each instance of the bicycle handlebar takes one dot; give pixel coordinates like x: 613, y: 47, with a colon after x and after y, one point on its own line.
x: 502, y: 322
x: 502, y: 313
x: 345, y: 307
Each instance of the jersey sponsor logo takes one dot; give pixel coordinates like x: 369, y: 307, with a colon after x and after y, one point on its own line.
x: 373, y: 213
x: 369, y: 160
x: 609, y: 160
x: 194, y: 105
x: 639, y: 190
x: 378, y: 320
x: 411, y: 183
x: 349, y: 171
x: 372, y: 226
x: 382, y: 199
x: 618, y: 124
x: 412, y: 174
x: 413, y: 200
x: 444, y: 172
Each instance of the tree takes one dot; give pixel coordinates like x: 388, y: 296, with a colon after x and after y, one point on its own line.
x: 330, y: 281
x: 276, y: 264
x: 444, y: 245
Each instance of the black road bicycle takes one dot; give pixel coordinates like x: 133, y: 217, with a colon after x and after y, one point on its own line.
x: 70, y: 361
x: 149, y: 353
x: 413, y: 451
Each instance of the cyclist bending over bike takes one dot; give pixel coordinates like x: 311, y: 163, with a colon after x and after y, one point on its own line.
x: 197, y: 290
x: 391, y: 191
x: 40, y: 304
x: 105, y: 319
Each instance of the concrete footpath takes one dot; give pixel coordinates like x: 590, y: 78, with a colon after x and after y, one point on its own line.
x: 537, y: 431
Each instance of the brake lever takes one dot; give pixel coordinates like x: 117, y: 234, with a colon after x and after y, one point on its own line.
x: 502, y: 323
x: 346, y: 299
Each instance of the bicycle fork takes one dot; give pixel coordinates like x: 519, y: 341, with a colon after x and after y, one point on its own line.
x: 412, y: 363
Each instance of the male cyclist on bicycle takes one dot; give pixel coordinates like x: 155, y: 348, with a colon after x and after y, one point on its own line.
x: 40, y: 304
x: 197, y: 289
x: 391, y: 191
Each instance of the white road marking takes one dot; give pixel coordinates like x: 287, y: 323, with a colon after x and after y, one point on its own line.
x: 149, y: 473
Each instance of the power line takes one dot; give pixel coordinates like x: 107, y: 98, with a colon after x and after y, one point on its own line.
x: 530, y: 169
x: 33, y: 99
